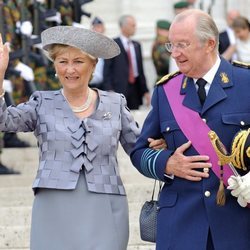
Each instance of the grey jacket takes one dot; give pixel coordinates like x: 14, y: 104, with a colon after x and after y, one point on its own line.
x: 68, y: 144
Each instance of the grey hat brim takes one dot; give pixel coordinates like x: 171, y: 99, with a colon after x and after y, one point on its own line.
x: 91, y: 42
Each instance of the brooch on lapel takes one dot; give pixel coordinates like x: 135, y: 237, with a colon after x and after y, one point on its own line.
x: 107, y: 116
x: 224, y: 77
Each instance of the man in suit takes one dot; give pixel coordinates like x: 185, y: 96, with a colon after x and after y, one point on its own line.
x: 124, y: 73
x: 160, y: 55
x: 227, y: 37
x: 190, y: 214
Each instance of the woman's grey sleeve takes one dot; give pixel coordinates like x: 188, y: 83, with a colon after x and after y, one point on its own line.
x: 20, y: 118
x: 130, y: 128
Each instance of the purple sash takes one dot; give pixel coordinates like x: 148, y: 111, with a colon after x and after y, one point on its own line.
x: 193, y: 127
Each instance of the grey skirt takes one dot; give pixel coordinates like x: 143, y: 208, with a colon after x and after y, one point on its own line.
x: 79, y: 220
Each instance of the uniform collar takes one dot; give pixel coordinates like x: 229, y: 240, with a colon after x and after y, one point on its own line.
x: 221, y: 80
x: 209, y: 76
x: 221, y: 72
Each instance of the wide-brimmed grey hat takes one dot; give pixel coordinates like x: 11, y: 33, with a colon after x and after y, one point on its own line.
x: 91, y: 42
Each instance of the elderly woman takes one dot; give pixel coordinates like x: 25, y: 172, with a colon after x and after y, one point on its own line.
x: 80, y: 201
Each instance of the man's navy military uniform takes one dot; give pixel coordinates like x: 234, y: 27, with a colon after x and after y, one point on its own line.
x: 188, y: 210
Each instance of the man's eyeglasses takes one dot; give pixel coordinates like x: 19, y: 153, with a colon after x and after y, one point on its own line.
x: 180, y: 46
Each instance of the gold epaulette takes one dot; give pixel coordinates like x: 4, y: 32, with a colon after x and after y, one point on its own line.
x: 168, y: 77
x: 241, y: 64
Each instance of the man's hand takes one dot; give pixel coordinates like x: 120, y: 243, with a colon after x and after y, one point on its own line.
x: 185, y: 166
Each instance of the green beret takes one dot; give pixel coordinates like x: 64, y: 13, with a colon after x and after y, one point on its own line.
x: 181, y: 4
x: 163, y: 24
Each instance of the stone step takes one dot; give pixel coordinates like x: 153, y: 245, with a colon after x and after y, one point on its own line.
x: 14, y: 237
x: 15, y: 216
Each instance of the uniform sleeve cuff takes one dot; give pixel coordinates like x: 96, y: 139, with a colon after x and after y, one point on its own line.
x: 161, y: 163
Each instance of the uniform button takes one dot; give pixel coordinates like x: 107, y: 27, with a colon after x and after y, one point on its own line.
x: 203, y: 119
x: 168, y: 128
x: 242, y: 123
x: 207, y: 194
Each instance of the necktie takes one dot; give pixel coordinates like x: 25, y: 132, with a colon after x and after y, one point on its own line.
x: 201, y: 90
x: 131, y: 77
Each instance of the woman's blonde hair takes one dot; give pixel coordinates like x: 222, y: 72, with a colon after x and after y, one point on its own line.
x: 56, y: 49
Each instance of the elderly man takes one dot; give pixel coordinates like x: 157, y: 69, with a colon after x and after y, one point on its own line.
x: 207, y: 94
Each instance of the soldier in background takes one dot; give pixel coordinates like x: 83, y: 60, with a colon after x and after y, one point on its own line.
x: 97, y: 25
x: 65, y: 7
x: 160, y: 55
x: 181, y: 6
x: 178, y: 8
x: 6, y: 33
x: 45, y: 15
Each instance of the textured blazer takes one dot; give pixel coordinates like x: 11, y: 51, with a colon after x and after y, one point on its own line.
x: 187, y: 209
x: 68, y: 144
x: 116, y: 71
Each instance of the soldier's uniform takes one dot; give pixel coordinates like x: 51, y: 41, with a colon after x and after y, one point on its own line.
x: 160, y: 55
x: 13, y: 16
x: 66, y: 10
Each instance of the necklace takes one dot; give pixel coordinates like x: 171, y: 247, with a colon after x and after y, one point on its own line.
x: 83, y: 107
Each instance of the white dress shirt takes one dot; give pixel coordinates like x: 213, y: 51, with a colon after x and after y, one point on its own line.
x: 209, y: 76
x: 128, y: 44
